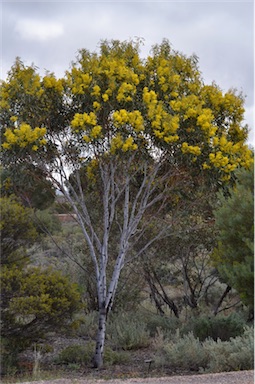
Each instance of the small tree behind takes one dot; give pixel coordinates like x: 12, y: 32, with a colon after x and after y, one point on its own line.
x: 34, y: 301
x: 234, y: 256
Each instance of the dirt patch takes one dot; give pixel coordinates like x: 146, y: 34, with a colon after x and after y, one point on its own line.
x: 241, y: 377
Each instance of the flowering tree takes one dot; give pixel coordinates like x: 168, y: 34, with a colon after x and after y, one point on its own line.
x: 134, y: 127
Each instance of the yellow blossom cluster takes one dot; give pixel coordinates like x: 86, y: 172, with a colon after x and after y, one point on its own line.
x: 50, y: 82
x: 81, y: 120
x: 168, y: 81
x: 188, y: 106
x: 87, y: 122
x: 118, y: 143
x: 125, y: 92
x: 80, y: 81
x: 227, y: 156
x: 163, y: 124
x: 134, y: 118
x: 227, y: 102
x: 116, y: 68
x: 111, y: 75
x: 96, y: 90
x: 96, y: 106
x: 24, y: 136
x: 193, y: 149
x: 204, y: 120
x: 30, y: 81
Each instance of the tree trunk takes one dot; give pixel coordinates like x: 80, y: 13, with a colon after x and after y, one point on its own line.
x: 98, y: 356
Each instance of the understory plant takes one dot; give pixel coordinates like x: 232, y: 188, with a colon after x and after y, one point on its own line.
x: 188, y: 353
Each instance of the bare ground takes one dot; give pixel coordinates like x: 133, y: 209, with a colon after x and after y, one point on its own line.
x: 240, y: 377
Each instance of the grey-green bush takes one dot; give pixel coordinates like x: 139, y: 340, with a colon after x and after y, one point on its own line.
x: 188, y: 353
x: 83, y: 354
x: 233, y: 355
x: 165, y: 324
x: 128, y: 332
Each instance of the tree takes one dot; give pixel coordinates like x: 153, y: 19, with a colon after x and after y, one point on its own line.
x: 136, y: 126
x: 34, y: 300
x: 234, y: 256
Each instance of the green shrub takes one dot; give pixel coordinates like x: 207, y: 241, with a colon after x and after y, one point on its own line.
x: 74, y: 354
x: 83, y: 354
x: 165, y: 324
x: 235, y: 354
x: 186, y: 353
x: 128, y: 332
x: 219, y: 327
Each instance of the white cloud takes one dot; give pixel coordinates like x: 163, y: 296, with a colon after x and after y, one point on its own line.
x: 38, y: 30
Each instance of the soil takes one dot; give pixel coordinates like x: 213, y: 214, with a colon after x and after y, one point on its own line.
x: 241, y: 377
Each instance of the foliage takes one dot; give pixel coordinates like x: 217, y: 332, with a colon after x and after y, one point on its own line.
x: 183, y: 353
x: 234, y: 256
x: 236, y: 354
x: 34, y: 301
x: 219, y: 327
x: 46, y: 222
x: 156, y: 323
x: 190, y: 354
x: 82, y: 354
x: 17, y: 230
x: 76, y: 354
x: 128, y: 332
x: 29, y: 185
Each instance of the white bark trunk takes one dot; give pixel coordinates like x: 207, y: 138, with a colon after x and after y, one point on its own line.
x: 98, y: 357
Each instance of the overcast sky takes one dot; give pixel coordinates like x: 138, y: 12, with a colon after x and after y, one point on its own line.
x: 221, y: 33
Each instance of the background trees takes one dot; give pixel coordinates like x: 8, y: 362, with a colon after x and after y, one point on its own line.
x: 143, y: 131
x: 234, y: 256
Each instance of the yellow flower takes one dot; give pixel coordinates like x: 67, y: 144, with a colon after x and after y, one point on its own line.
x: 96, y: 131
x: 86, y: 138
x: 96, y: 90
x: 6, y: 145
x: 193, y: 149
x: 105, y: 97
x: 96, y: 105
x: 128, y: 144
x: 23, y: 136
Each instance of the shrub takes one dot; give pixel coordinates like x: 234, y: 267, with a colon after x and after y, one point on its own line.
x: 235, y: 354
x: 189, y: 353
x: 165, y: 324
x: 219, y: 327
x: 83, y: 354
x: 74, y: 354
x: 186, y: 353
x: 128, y: 332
